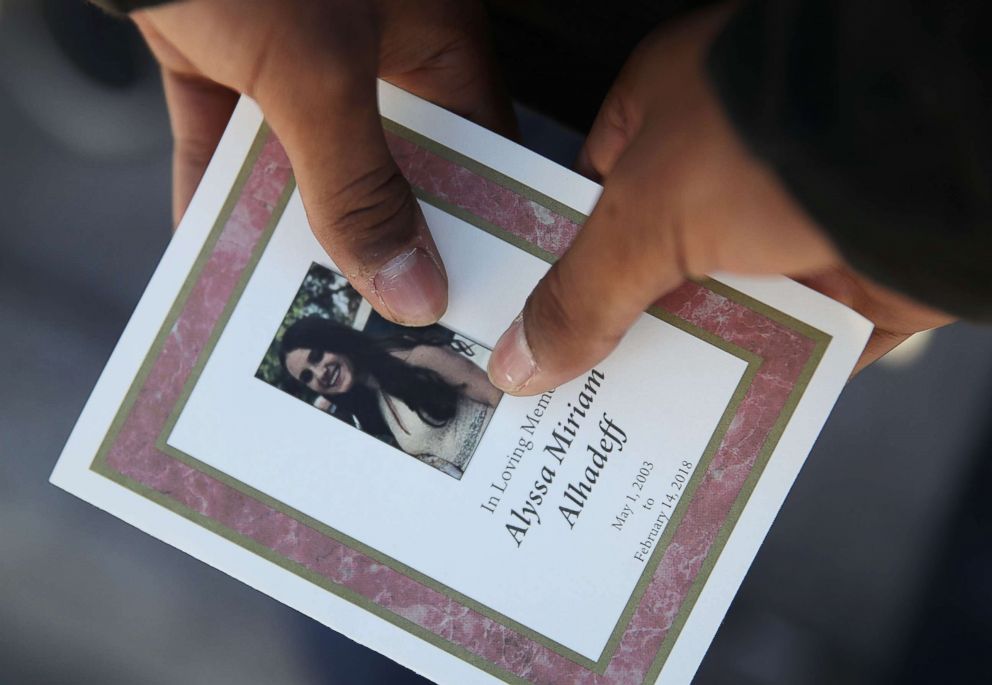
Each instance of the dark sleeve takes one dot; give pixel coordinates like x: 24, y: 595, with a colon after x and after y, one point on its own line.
x: 125, y: 6
x: 878, y: 118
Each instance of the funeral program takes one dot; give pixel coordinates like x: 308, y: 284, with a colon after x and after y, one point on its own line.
x: 259, y: 415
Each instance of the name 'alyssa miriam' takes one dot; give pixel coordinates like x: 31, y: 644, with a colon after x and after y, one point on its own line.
x: 611, y: 439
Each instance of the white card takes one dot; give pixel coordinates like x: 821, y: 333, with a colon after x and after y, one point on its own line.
x: 257, y: 415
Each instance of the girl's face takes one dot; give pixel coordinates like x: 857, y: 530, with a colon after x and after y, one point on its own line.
x: 324, y: 372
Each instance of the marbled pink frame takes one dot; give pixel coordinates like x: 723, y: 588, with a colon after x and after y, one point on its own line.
x: 130, y: 455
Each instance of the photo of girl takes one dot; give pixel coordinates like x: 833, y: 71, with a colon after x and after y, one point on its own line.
x: 421, y: 390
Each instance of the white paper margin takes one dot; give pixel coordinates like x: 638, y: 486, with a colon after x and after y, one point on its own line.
x: 850, y: 333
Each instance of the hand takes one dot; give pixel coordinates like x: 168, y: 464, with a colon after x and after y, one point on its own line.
x: 683, y: 198
x: 311, y: 65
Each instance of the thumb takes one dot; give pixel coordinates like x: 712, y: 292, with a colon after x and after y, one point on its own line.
x: 360, y: 207
x: 662, y: 218
x: 312, y: 68
x: 619, y: 264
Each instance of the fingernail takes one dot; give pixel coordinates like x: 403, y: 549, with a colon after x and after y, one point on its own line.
x: 512, y: 365
x: 412, y: 288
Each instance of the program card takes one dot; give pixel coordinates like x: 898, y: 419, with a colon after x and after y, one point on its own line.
x: 259, y: 415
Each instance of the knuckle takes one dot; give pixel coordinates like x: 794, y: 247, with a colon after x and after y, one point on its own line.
x: 692, y: 255
x: 616, y: 112
x: 258, y: 72
x: 650, y: 249
x: 663, y: 255
x: 193, y: 152
x: 373, y: 215
x: 692, y: 249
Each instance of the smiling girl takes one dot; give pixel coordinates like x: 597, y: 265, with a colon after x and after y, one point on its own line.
x: 419, y: 390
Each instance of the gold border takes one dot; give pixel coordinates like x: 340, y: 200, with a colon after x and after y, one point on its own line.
x: 737, y: 508
x: 487, y: 172
x: 181, y: 298
x: 598, y: 665
x: 307, y: 574
x: 754, y: 362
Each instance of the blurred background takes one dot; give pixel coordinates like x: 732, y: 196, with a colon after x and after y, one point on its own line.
x: 878, y: 570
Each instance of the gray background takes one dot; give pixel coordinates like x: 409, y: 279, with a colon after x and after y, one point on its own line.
x: 834, y: 596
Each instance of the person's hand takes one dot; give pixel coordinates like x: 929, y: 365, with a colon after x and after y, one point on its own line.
x: 682, y: 198
x: 311, y: 65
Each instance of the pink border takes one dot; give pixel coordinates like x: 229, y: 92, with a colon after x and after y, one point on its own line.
x: 133, y: 453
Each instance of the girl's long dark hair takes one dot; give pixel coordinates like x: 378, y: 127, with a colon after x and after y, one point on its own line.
x: 423, y: 390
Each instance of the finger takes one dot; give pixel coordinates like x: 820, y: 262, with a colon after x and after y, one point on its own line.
x: 895, y: 316
x: 589, y: 298
x: 312, y: 69
x: 455, y: 66
x: 609, y: 136
x: 639, y: 84
x: 880, y: 343
x: 199, y: 110
x: 361, y: 209
x: 698, y: 207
